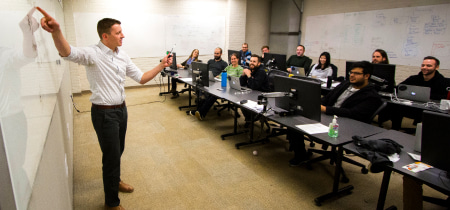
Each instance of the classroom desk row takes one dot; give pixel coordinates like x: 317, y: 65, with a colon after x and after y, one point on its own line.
x: 347, y: 129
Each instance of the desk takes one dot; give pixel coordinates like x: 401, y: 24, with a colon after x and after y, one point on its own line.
x: 396, y: 111
x: 347, y: 129
x: 429, y: 177
x: 182, y: 74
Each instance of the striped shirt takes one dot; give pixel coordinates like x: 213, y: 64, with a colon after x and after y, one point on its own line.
x: 106, y: 71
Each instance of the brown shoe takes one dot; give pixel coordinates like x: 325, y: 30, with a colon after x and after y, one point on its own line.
x: 119, y: 207
x: 126, y: 188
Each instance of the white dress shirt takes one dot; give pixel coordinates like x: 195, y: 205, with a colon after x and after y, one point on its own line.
x: 106, y: 71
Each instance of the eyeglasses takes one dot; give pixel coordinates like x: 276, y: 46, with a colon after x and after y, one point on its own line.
x: 355, y: 73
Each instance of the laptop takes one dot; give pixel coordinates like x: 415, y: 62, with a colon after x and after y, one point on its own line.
x: 298, y: 71
x: 235, y: 84
x: 414, y: 93
x: 213, y: 78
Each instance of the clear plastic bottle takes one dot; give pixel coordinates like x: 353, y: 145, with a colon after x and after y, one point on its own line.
x: 333, y: 128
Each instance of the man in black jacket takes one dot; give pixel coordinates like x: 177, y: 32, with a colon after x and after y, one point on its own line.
x: 356, y: 99
x: 254, y: 78
x: 428, y: 76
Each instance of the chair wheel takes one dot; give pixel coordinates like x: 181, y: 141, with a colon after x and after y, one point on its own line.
x: 344, y: 179
x: 364, y: 170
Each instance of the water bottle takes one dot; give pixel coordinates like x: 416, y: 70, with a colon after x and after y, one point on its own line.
x: 224, y: 78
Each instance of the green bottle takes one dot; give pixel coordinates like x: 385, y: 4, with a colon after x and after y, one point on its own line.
x: 333, y: 128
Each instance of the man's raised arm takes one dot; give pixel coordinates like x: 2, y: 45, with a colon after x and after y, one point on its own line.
x: 49, y: 24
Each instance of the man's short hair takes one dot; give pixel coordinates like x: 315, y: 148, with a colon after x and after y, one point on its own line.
x: 245, y: 44
x: 219, y: 49
x: 265, y: 46
x: 365, y: 65
x: 104, y: 26
x: 257, y: 56
x: 302, y: 46
x: 433, y: 58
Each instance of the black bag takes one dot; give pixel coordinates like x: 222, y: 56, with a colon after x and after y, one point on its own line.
x: 377, y: 151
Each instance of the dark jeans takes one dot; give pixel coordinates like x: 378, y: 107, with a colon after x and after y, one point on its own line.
x: 206, y: 105
x: 111, y: 126
x: 296, y: 143
x: 174, y: 84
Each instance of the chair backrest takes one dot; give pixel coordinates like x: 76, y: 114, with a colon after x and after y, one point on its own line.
x: 335, y: 70
x: 272, y: 74
x: 380, y: 108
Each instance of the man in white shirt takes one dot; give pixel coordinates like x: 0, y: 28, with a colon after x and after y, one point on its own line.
x: 106, y: 67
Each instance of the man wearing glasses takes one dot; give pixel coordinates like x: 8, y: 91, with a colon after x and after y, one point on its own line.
x: 356, y: 99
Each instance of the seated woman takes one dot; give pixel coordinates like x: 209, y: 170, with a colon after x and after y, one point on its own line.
x: 322, y: 69
x: 193, y: 57
x: 232, y: 70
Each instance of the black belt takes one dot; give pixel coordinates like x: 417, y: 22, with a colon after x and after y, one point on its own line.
x: 108, y: 106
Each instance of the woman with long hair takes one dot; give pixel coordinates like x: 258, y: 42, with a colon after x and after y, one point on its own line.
x: 322, y: 69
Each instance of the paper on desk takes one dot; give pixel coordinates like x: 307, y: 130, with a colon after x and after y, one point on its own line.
x: 414, y: 156
x: 313, y: 128
x: 417, y: 167
x: 254, y: 105
x: 334, y: 84
x: 186, y: 79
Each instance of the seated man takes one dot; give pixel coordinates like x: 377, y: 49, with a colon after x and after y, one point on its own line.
x: 264, y: 49
x: 428, y: 76
x: 245, y: 55
x: 254, y: 78
x: 216, y: 65
x: 356, y: 99
x: 380, y: 56
x: 299, y: 60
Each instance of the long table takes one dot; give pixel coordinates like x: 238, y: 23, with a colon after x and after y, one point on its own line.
x: 347, y: 128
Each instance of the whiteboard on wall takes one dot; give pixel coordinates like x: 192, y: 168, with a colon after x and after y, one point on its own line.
x: 148, y: 35
x: 406, y: 34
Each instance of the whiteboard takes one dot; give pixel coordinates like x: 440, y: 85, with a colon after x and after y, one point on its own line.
x: 148, y: 35
x: 406, y: 34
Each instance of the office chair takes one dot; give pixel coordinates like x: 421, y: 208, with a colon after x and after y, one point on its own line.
x: 335, y: 71
x: 332, y: 155
x: 224, y: 106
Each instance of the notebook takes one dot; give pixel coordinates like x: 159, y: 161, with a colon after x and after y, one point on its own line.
x: 414, y: 93
x: 235, y: 84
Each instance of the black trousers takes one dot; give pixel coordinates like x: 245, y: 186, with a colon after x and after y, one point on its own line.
x: 111, y: 126
x: 296, y: 143
x: 206, y: 105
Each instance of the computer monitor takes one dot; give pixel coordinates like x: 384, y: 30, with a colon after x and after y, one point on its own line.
x: 174, y: 61
x: 435, y: 140
x: 200, y: 73
x: 275, y: 61
x: 230, y: 52
x: 383, y: 75
x: 306, y: 100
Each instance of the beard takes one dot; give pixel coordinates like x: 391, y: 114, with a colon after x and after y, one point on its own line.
x: 216, y: 57
x: 357, y: 83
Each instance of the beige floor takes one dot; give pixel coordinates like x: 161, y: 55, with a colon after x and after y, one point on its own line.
x: 175, y: 161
